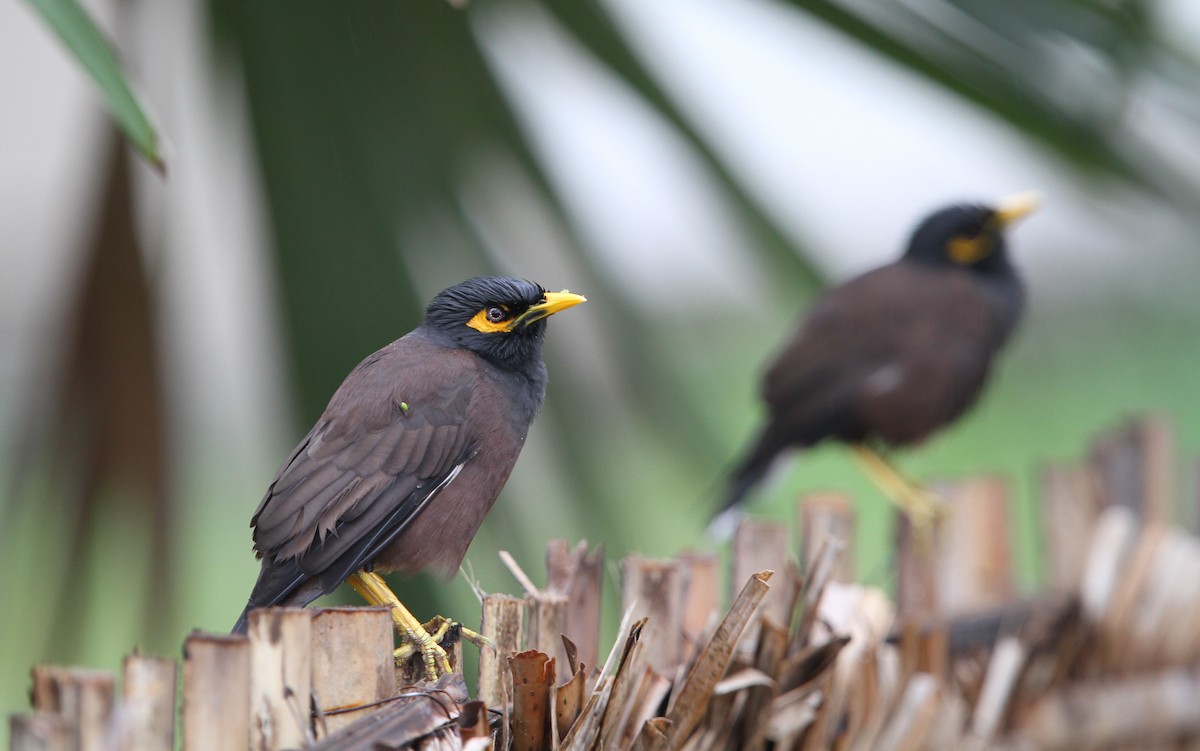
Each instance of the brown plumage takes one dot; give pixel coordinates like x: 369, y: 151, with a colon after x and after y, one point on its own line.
x: 413, y: 449
x: 894, y: 355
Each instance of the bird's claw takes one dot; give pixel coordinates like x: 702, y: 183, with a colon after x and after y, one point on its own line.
x: 448, y: 633
x: 922, y: 504
x: 477, y: 638
x: 924, y: 509
x: 426, y: 641
x: 440, y: 636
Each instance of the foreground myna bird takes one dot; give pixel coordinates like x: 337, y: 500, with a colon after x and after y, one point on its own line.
x: 410, y: 454
x: 889, y: 357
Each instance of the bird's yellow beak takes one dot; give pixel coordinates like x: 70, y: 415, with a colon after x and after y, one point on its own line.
x: 1017, y: 207
x: 551, y: 304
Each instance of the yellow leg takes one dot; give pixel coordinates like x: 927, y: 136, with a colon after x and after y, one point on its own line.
x: 922, y: 507
x: 375, y: 591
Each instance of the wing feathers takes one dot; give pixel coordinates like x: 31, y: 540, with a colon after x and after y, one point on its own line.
x: 300, y: 492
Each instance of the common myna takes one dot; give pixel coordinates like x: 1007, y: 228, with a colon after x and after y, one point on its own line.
x: 889, y: 357
x: 410, y: 454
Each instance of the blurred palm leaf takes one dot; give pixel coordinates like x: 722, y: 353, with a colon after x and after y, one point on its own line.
x: 1095, y: 82
x: 86, y: 43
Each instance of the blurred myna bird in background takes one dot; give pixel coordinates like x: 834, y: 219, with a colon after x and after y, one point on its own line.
x: 890, y: 357
x: 410, y: 454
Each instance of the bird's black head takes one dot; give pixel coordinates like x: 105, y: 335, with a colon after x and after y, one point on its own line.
x: 498, y: 317
x: 970, y: 236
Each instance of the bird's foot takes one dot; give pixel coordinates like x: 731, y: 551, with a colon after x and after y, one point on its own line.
x: 441, y: 634
x: 414, y: 633
x: 448, y: 633
x: 431, y: 641
x: 923, y: 508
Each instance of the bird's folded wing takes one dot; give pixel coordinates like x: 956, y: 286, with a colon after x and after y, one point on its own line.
x: 390, y: 436
x: 875, y: 321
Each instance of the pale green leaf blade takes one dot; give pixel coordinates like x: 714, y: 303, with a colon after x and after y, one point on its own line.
x: 89, y: 47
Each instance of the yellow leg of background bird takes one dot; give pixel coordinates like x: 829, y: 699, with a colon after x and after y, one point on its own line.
x: 922, y: 507
x: 376, y: 591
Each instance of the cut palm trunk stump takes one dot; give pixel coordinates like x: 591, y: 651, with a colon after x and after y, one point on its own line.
x: 1106, y: 657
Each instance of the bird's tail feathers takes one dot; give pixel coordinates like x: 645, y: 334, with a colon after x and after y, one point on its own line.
x: 751, y: 470
x: 278, y: 584
x: 748, y: 474
x: 743, y: 481
x: 724, y: 524
x: 243, y: 622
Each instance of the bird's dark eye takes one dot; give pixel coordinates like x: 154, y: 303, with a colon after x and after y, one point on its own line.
x: 496, y: 314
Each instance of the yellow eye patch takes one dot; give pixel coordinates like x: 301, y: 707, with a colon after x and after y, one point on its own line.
x: 969, y: 250
x: 482, y: 323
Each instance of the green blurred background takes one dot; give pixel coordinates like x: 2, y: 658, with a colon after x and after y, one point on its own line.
x: 697, y: 169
